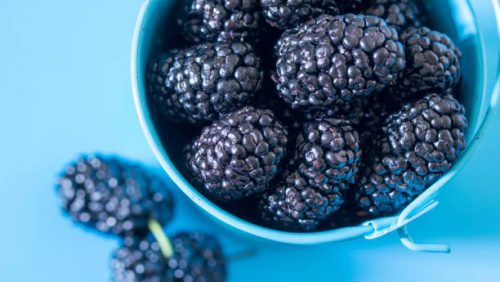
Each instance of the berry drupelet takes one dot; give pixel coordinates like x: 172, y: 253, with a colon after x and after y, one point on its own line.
x: 432, y: 63
x: 421, y: 142
x: 335, y: 59
x: 113, y: 196
x: 200, y: 83
x: 220, y: 20
x: 238, y: 155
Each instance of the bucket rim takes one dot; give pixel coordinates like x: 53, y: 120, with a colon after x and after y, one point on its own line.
x: 365, y: 229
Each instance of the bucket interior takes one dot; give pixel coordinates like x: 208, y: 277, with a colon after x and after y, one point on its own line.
x: 158, y: 33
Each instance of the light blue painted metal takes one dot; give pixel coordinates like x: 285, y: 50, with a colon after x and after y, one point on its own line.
x: 462, y: 27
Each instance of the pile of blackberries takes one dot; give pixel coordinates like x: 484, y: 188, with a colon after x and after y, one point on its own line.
x: 311, y: 111
x: 121, y: 198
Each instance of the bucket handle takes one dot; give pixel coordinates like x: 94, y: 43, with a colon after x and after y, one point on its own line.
x: 408, y: 242
x: 404, y: 236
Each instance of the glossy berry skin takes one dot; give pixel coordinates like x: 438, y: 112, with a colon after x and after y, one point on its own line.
x: 113, y: 196
x: 401, y: 14
x: 335, y: 59
x: 218, y: 20
x: 420, y: 143
x: 238, y: 155
x: 203, y: 82
x: 198, y: 257
x: 433, y: 63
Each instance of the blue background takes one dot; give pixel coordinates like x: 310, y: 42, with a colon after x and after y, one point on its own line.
x: 65, y: 89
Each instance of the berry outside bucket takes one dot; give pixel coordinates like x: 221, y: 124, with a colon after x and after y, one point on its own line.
x: 155, y: 28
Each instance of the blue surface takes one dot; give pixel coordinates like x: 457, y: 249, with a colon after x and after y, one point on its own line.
x: 64, y: 80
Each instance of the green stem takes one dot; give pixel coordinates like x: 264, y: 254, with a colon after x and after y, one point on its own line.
x: 165, y: 245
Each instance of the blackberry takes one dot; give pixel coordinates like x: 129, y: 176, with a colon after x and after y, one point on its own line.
x: 139, y: 260
x: 429, y: 132
x: 284, y: 14
x: 388, y: 183
x: 382, y: 187
x: 295, y: 205
x: 421, y: 143
x: 113, y: 196
x: 401, y: 14
x: 166, y: 101
x: 202, y: 82
x: 328, y: 153
x: 220, y: 20
x: 197, y: 257
x: 313, y: 184
x: 432, y: 63
x: 239, y: 154
x: 335, y: 59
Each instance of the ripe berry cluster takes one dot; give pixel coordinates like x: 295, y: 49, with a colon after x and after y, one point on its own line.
x: 122, y: 198
x: 352, y: 114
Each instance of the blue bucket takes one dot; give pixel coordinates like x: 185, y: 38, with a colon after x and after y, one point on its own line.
x: 155, y: 27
